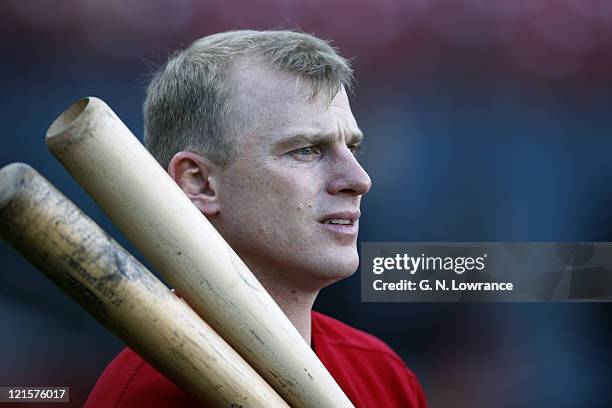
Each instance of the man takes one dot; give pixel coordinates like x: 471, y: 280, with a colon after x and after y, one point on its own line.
x: 257, y: 130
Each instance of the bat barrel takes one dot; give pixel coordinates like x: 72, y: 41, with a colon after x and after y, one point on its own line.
x: 80, y: 258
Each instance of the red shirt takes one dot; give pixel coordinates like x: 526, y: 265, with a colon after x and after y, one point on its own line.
x: 368, y: 371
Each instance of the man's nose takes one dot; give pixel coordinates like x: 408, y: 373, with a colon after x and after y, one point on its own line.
x: 348, y: 176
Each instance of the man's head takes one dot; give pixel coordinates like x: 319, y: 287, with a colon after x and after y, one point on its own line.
x: 256, y: 128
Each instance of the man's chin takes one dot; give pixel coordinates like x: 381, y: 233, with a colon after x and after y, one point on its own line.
x: 335, y: 276
x: 340, y: 266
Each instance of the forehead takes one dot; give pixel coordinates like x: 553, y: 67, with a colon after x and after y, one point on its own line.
x: 277, y: 104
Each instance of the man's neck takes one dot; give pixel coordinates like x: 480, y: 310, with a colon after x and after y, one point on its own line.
x: 296, y: 303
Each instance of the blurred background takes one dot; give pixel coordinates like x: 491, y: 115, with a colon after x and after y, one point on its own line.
x: 484, y: 121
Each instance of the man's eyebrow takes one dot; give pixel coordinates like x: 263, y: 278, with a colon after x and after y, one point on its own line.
x: 317, y: 138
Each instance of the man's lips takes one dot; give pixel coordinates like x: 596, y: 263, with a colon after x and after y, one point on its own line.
x: 344, y: 225
x: 342, y: 218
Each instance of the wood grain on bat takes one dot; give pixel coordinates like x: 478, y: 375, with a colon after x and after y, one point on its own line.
x: 122, y: 294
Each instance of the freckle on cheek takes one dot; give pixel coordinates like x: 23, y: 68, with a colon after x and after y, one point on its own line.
x: 309, y: 205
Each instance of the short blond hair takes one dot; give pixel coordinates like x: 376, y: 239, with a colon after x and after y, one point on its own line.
x: 188, y: 102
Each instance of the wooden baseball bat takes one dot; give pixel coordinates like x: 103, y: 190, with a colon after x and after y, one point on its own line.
x: 153, y: 212
x: 80, y: 258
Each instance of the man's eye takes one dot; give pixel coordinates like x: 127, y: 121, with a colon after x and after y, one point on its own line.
x: 305, y: 151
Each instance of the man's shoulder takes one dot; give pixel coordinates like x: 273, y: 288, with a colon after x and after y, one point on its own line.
x: 129, y: 381
x: 366, y: 368
x: 342, y: 335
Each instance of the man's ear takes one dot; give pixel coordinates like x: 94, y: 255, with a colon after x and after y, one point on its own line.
x: 197, y: 177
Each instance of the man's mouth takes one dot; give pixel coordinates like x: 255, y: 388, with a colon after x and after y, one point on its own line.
x: 341, y: 217
x: 339, y: 221
x: 342, y: 225
x: 342, y: 221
